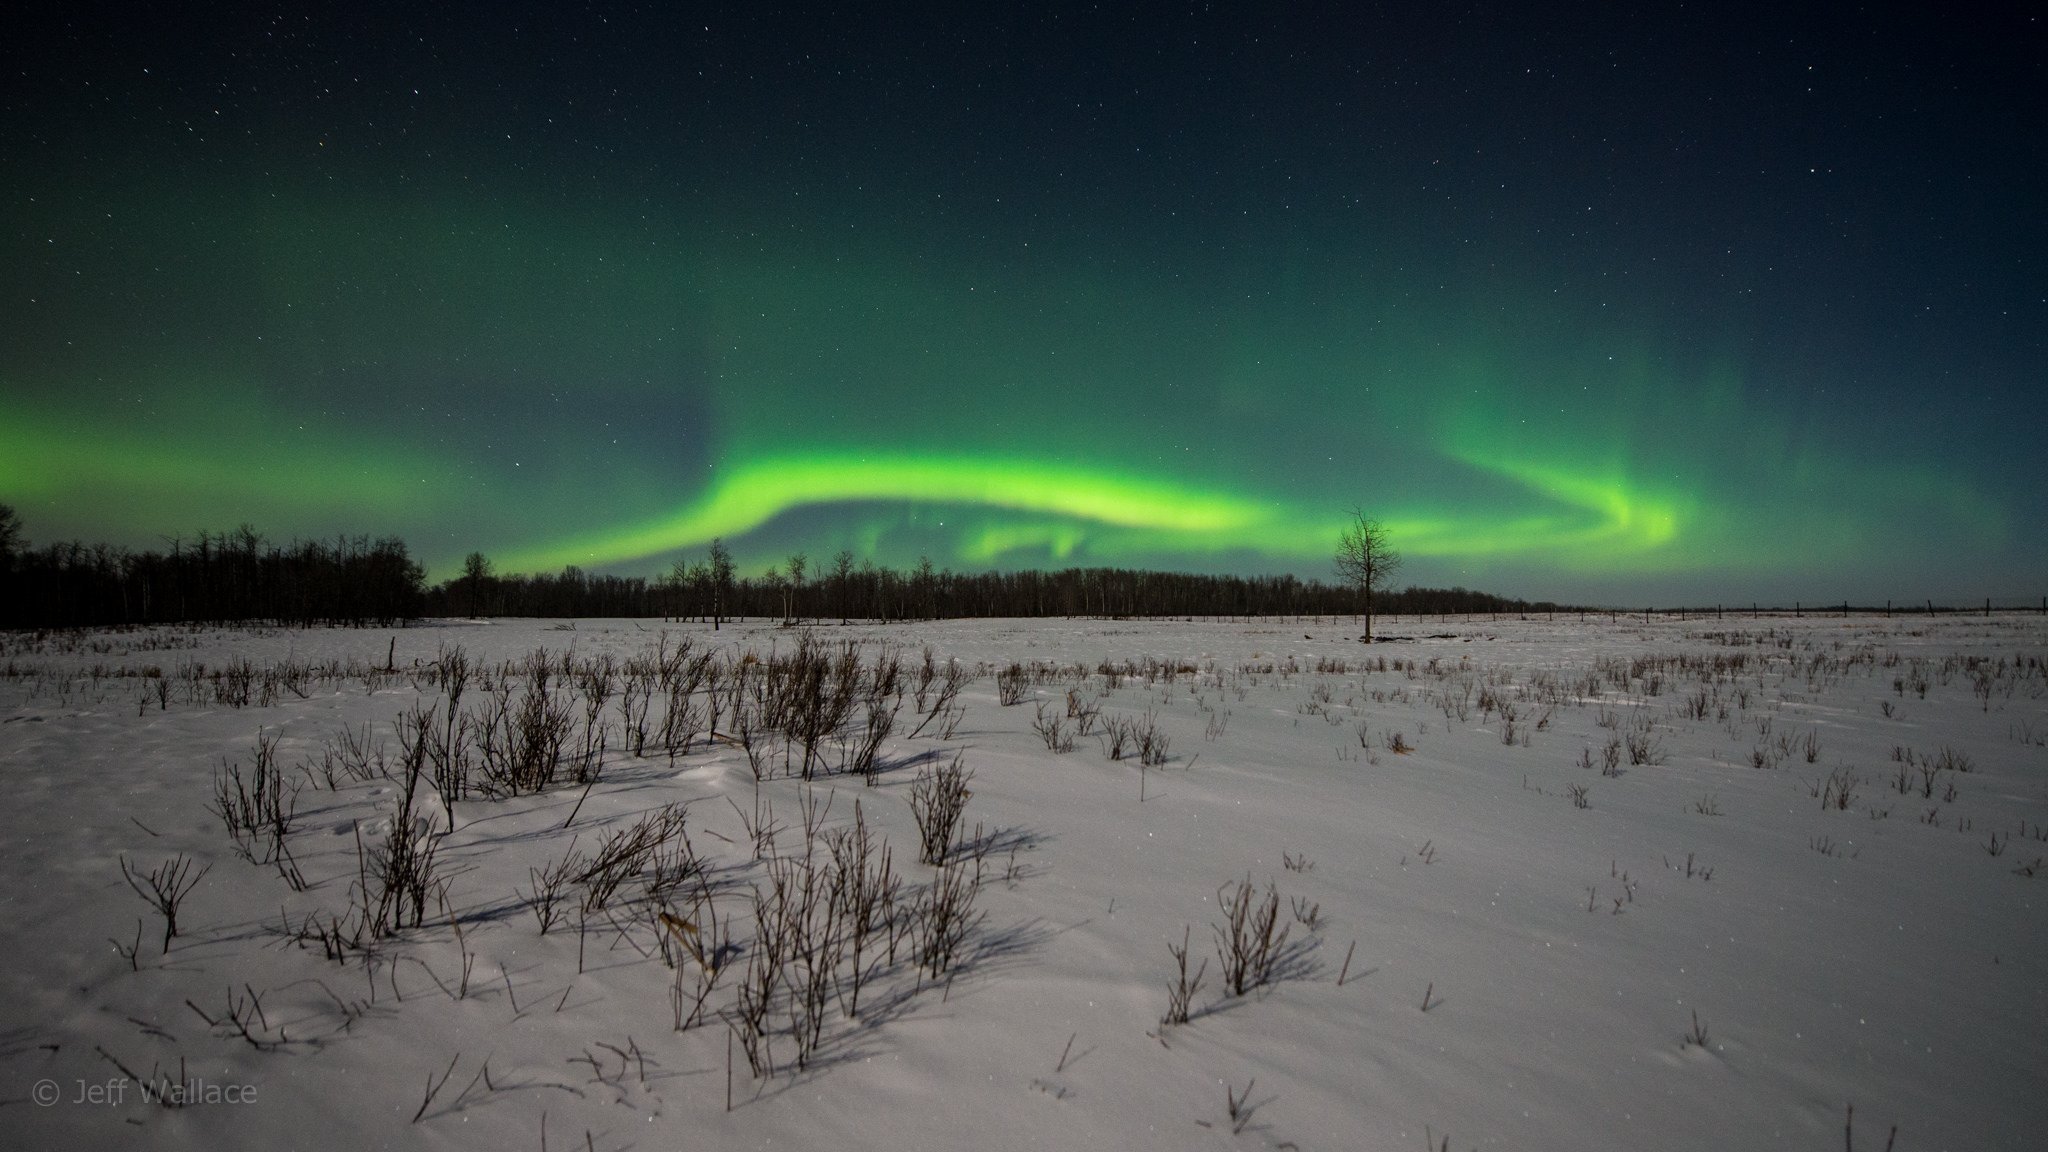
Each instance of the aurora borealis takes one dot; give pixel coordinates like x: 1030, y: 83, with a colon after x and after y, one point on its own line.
x: 1684, y: 304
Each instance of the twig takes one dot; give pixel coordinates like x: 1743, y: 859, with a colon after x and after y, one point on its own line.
x: 1240, y: 1115
x: 579, y: 802
x: 433, y: 1087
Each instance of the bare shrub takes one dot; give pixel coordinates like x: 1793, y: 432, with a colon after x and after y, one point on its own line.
x: 944, y: 706
x: 865, y: 761
x: 1838, y: 791
x: 938, y: 798
x: 1119, y: 734
x: 1152, y: 742
x: 1249, y: 941
x: 1643, y: 745
x: 654, y: 849
x: 865, y: 883
x: 1082, y: 714
x: 522, y: 745
x: 1695, y: 1036
x: 404, y: 866
x: 1052, y: 728
x: 1011, y: 683
x: 945, y: 915
x: 165, y: 887
x: 549, y: 885
x: 1181, y: 991
x: 357, y: 754
x: 259, y: 806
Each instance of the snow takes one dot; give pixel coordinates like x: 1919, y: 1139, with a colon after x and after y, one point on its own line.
x: 1835, y: 956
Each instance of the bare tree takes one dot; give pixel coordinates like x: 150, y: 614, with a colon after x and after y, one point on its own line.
x: 476, y: 568
x: 797, y: 563
x: 721, y: 579
x: 842, y: 578
x: 773, y: 583
x: 1366, y: 560
x: 10, y: 537
x: 925, y: 584
x: 697, y: 578
x: 680, y: 591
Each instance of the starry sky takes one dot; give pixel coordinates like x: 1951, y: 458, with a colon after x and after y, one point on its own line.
x: 1593, y: 303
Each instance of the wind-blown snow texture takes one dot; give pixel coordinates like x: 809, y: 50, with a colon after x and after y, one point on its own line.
x: 1885, y: 953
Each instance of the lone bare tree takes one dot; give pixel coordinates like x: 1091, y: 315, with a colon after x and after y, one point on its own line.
x: 774, y: 585
x: 842, y: 581
x: 1366, y: 559
x: 721, y: 580
x: 798, y: 563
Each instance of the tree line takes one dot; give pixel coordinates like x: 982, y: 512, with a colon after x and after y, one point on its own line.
x: 226, y: 577
x: 240, y: 577
x: 850, y: 590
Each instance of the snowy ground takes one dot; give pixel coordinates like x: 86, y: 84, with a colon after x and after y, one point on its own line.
x: 1519, y: 968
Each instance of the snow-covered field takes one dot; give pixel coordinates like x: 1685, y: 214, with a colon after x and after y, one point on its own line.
x: 1545, y: 885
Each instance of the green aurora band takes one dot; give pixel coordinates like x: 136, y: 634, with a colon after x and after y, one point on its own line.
x: 1601, y: 524
x: 616, y: 395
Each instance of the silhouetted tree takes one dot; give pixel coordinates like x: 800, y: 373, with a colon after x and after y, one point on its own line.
x: 797, y: 563
x: 721, y: 580
x: 11, y: 542
x: 925, y: 586
x: 842, y: 583
x: 1366, y: 560
x: 10, y: 536
x: 678, y: 586
x: 777, y: 589
x: 476, y: 568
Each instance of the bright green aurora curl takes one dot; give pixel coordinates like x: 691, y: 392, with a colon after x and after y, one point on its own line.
x: 1116, y: 515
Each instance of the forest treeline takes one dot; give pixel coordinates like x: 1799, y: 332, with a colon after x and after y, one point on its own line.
x: 872, y: 593
x: 240, y: 577
x: 230, y: 577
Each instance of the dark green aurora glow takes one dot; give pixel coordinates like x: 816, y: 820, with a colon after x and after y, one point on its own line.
x: 595, y: 292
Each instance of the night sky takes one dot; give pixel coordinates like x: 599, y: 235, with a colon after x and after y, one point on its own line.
x: 1621, y: 303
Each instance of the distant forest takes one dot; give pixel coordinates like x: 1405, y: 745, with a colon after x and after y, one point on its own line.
x: 239, y: 577
x: 230, y: 577
x: 870, y: 593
